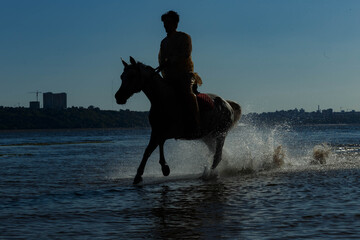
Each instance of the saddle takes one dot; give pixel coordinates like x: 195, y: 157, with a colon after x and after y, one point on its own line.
x: 205, y: 102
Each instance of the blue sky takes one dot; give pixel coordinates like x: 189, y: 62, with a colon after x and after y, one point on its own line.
x: 266, y: 55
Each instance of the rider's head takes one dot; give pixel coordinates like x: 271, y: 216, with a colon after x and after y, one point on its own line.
x: 170, y: 20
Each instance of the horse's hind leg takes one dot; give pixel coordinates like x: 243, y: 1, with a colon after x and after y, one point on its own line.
x: 210, y: 143
x: 220, y: 140
x: 164, y: 167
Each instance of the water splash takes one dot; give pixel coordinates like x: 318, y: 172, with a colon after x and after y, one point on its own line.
x: 248, y: 149
x: 321, y: 153
x: 279, y: 156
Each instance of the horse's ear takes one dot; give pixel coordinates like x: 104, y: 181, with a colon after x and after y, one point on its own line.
x: 124, y: 63
x: 132, y: 61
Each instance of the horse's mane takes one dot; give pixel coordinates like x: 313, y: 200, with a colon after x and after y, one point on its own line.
x: 147, y: 67
x: 156, y: 74
x: 164, y: 85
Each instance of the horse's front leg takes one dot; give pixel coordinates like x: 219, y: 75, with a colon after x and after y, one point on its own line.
x: 164, y: 167
x: 149, y: 149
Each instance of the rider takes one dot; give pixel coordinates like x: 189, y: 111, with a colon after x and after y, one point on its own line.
x: 176, y: 66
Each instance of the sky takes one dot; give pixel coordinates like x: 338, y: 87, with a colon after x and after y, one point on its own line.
x: 265, y: 55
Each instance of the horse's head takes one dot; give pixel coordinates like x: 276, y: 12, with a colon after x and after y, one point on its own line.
x: 132, y: 81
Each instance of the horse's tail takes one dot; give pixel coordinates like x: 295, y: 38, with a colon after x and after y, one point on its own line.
x: 237, y: 110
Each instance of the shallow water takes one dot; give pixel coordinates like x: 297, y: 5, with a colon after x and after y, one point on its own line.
x: 78, y: 185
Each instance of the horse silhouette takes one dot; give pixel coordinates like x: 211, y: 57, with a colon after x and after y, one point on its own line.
x: 166, y: 118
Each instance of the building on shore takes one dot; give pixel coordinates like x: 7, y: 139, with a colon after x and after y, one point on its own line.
x: 34, y: 105
x: 54, y: 100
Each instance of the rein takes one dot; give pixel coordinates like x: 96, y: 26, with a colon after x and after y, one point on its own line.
x: 158, y: 69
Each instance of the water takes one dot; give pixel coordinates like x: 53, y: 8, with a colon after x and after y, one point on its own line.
x: 78, y: 185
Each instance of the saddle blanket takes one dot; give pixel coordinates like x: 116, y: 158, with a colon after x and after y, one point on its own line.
x: 205, y: 102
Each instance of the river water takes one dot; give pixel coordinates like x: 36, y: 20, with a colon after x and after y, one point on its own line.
x: 78, y: 185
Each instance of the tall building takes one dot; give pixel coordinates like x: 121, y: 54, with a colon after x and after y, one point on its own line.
x: 54, y: 100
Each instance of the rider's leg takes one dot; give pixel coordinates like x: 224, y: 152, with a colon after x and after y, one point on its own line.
x: 191, y: 114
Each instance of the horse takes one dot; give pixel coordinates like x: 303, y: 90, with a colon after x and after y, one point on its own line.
x: 166, y: 118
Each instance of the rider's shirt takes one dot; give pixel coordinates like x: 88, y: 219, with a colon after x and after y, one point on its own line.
x: 176, y: 49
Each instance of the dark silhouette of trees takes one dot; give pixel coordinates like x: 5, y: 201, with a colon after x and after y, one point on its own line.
x: 300, y: 117
x: 25, y: 118
x: 93, y: 117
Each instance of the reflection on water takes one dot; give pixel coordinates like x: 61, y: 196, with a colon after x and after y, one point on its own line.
x: 182, y: 214
x: 278, y: 205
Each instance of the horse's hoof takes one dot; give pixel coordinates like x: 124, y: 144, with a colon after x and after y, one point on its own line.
x: 137, y: 179
x: 165, y: 169
x: 209, y: 174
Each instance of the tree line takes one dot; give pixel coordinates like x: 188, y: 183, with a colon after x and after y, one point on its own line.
x: 92, y: 117
x: 300, y: 117
x: 26, y: 118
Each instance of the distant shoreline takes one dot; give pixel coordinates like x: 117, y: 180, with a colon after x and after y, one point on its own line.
x: 147, y: 128
x: 70, y: 118
x: 297, y: 117
x: 68, y: 129
x: 85, y: 119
